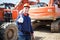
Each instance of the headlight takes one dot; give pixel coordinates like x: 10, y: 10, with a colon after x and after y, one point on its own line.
x: 50, y: 10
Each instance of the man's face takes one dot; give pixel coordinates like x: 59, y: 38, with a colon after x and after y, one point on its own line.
x: 26, y: 9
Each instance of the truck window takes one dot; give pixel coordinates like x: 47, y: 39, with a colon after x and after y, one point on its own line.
x: 2, y: 6
x: 45, y: 1
x: 57, y: 2
x: 41, y: 3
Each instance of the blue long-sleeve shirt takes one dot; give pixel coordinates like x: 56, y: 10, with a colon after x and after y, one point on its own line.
x: 25, y: 26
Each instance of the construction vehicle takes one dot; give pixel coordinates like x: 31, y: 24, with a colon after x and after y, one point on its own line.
x: 8, y: 15
x: 8, y: 28
x: 43, y: 14
x: 46, y: 14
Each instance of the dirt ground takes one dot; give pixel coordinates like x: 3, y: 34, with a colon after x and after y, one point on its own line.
x: 43, y: 33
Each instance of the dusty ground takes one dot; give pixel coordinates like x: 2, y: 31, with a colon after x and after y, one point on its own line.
x: 45, y: 34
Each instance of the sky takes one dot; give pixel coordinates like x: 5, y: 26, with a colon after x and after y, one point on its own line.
x: 16, y: 1
x: 9, y: 1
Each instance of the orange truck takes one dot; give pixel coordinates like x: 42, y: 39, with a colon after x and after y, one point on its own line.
x: 46, y: 12
x: 8, y: 15
x: 8, y: 29
x: 40, y: 12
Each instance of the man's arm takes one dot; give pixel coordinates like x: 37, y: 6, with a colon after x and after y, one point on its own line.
x: 31, y: 27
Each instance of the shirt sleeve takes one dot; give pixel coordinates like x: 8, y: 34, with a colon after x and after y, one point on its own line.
x: 31, y: 27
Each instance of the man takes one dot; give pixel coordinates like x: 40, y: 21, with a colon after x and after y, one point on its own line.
x: 25, y: 28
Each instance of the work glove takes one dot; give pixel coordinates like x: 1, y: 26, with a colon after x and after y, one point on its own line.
x: 20, y: 20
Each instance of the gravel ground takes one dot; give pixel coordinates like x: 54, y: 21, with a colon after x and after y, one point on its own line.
x: 45, y: 34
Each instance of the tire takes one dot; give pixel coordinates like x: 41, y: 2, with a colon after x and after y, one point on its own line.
x: 55, y: 26
x: 10, y: 31
x: 1, y: 33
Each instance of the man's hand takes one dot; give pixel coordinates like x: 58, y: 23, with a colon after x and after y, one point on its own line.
x: 32, y: 36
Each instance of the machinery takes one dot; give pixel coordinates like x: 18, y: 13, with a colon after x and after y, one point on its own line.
x: 43, y: 13
x: 46, y: 14
x: 8, y: 28
x: 8, y: 15
x: 40, y: 12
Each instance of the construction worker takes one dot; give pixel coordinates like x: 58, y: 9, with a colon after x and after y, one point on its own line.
x: 24, y: 25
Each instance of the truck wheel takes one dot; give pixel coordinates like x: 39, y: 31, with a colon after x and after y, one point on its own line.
x: 1, y: 33
x: 10, y: 31
x: 55, y: 26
